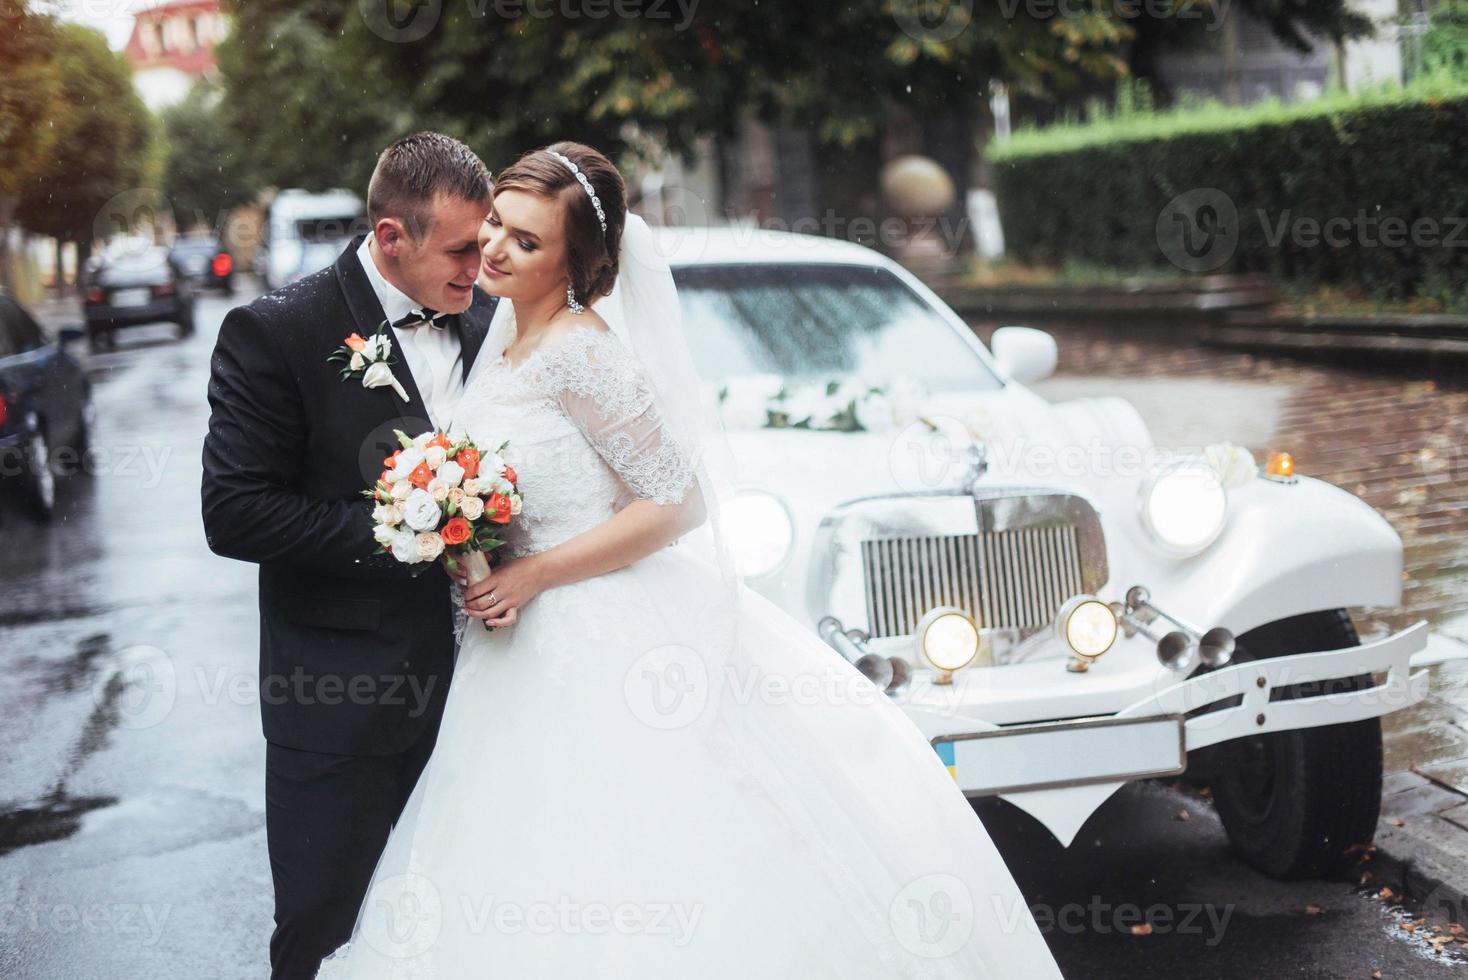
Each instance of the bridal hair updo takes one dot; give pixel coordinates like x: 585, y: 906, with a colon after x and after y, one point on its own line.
x: 591, y: 255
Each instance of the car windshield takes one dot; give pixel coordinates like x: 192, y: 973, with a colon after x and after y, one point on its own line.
x: 811, y: 322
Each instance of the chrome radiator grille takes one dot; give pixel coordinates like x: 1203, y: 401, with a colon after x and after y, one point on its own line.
x: 1016, y: 578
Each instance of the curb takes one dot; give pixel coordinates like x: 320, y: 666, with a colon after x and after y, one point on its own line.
x: 1425, y: 861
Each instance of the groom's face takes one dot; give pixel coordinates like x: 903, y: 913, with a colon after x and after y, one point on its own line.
x: 438, y: 268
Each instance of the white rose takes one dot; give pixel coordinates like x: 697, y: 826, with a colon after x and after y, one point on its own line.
x: 430, y: 546
x: 493, y: 464
x: 979, y: 423
x: 434, y: 456
x: 421, y: 511
x: 472, y: 508
x: 408, y: 460
x: 378, y: 347
x: 456, y: 497
x: 515, y: 505
x: 404, y: 546
x: 422, y: 439
x: 390, y: 514
x: 474, y: 487
x: 747, y: 400
x: 907, y: 397
x: 401, y: 489
x: 438, y: 490
x: 501, y: 485
x: 874, y: 412
x: 383, y: 534
x: 1235, y: 464
x: 356, y: 363
x: 451, y: 473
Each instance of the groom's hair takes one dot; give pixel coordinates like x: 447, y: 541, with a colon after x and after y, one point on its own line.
x: 415, y: 171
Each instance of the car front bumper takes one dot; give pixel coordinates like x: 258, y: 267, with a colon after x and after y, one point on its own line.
x: 1152, y: 735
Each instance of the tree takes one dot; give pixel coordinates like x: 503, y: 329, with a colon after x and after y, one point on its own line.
x: 104, y: 143
x: 205, y: 173
x: 28, y: 67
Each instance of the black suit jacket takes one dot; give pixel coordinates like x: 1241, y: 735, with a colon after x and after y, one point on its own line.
x: 356, y: 651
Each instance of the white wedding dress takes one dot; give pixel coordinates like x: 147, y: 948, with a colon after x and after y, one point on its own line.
x: 605, y: 801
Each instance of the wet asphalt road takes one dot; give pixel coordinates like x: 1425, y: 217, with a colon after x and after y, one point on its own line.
x: 131, y: 764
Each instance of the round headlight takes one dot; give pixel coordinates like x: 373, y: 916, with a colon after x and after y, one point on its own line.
x: 1087, y: 627
x: 947, y: 639
x: 761, y: 532
x: 1184, y: 508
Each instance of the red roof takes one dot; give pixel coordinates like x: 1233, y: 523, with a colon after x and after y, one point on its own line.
x: 178, y: 34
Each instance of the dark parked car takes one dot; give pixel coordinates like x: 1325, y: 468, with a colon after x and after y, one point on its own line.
x: 45, y: 406
x: 135, y: 284
x: 204, y: 260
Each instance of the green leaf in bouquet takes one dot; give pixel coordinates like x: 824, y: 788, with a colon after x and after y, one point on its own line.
x: 403, y: 439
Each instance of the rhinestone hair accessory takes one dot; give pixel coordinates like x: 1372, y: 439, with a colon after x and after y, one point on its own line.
x: 601, y: 215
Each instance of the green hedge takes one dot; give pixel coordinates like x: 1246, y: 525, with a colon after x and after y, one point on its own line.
x: 1094, y: 193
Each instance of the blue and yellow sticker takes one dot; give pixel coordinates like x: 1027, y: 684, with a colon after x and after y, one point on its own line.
x: 945, y: 752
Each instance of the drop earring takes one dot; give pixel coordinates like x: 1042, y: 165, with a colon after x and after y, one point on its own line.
x: 571, y: 300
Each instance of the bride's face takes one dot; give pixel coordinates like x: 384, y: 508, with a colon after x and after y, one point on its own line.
x: 523, y: 247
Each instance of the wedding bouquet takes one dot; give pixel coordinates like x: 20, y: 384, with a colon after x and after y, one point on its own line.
x: 443, y: 499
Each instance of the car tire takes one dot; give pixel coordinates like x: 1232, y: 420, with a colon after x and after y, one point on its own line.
x: 1301, y: 803
x: 40, y: 476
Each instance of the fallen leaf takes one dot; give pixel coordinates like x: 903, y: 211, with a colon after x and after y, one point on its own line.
x: 1409, y: 927
x: 1386, y: 894
x: 1376, y: 975
x: 1398, y: 822
x: 1367, y: 877
x: 1183, y: 816
x: 1314, y: 910
x: 1145, y: 929
x: 1455, y: 929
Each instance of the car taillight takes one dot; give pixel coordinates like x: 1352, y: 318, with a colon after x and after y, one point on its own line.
x: 4, y: 411
x: 165, y: 289
x: 96, y: 295
x: 223, y: 264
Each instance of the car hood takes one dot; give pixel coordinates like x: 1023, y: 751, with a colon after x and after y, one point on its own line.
x: 1029, y: 442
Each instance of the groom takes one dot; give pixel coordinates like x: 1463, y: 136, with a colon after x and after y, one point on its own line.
x: 356, y: 652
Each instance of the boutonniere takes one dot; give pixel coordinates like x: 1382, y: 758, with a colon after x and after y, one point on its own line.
x: 369, y: 358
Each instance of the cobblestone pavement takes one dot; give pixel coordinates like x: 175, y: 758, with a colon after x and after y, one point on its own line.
x: 1399, y: 442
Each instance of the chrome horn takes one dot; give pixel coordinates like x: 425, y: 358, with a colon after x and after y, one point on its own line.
x: 891, y: 674
x: 1179, y: 649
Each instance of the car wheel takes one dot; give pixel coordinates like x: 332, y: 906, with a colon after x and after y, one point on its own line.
x: 1301, y: 803
x: 40, y: 477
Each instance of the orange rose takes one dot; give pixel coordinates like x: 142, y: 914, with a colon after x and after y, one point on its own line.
x: 456, y: 531
x: 468, y: 458
x: 355, y: 342
x: 392, y: 461
x: 383, y: 478
x: 440, y: 440
x: 510, y: 474
x: 420, y: 476
x: 498, y: 507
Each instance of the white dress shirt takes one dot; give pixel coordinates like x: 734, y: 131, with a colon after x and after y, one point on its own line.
x: 431, y: 352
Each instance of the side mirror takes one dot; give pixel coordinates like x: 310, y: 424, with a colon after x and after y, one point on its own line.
x: 71, y: 335
x: 1025, y: 354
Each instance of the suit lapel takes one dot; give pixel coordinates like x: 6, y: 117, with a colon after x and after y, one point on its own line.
x: 368, y: 315
x: 472, y: 326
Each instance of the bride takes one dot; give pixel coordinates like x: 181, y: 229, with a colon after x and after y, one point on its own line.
x: 645, y: 770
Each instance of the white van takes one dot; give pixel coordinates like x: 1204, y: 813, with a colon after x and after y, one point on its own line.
x: 302, y: 228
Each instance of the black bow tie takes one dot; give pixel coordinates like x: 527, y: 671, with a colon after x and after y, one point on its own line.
x: 419, y: 317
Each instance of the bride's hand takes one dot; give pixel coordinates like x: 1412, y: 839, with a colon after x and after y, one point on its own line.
x: 498, y: 599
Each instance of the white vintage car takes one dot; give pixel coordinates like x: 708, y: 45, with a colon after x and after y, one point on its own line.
x: 1057, y: 605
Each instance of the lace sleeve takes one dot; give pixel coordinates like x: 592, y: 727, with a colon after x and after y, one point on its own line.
x: 599, y: 385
